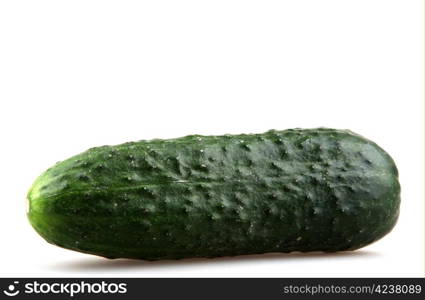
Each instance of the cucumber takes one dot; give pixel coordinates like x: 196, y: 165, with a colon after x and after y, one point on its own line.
x: 208, y: 196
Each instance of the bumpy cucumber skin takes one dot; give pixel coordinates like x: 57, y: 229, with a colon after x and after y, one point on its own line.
x: 208, y: 196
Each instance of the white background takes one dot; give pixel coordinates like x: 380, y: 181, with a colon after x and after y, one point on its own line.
x: 77, y: 74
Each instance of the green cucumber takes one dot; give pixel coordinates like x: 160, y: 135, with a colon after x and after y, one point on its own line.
x: 208, y: 196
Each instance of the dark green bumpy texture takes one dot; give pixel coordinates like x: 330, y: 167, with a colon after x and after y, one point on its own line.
x: 208, y: 196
